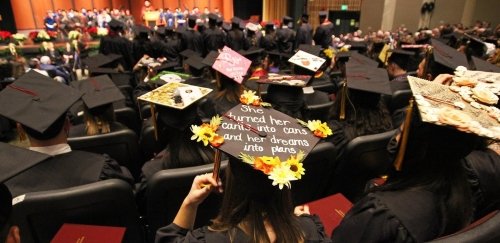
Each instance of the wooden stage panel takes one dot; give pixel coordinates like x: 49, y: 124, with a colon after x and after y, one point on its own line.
x: 62, y: 5
x: 22, y: 14
x: 40, y: 9
x: 79, y: 4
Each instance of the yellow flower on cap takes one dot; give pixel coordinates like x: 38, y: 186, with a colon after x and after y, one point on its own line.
x: 296, y: 166
x: 319, y: 129
x: 206, y: 133
x: 281, y: 175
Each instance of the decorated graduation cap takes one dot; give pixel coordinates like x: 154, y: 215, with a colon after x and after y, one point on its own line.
x: 441, y: 106
x: 285, y: 79
x: 15, y: 160
x: 307, y: 60
x: 263, y: 138
x: 447, y: 56
x: 36, y: 101
x: 232, y: 64
x: 174, y: 103
x: 400, y: 57
x: 98, y: 91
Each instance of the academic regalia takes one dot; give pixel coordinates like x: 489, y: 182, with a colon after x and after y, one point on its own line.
x: 309, y: 224
x: 172, y: 49
x: 304, y: 33
x: 192, y: 40
x: 386, y: 217
x: 400, y: 83
x: 214, y: 39
x: 285, y: 39
x: 113, y: 43
x: 236, y: 40
x: 323, y: 34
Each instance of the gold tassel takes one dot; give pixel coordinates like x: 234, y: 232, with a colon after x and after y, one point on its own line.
x: 343, y: 98
x: 22, y: 135
x: 428, y: 53
x: 398, y: 162
x: 153, y: 119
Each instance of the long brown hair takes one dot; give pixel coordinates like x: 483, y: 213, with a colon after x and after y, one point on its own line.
x: 250, y: 200
x: 227, y: 88
x: 98, y: 120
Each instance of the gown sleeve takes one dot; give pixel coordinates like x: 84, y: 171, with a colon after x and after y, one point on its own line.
x: 370, y: 220
x: 175, y: 234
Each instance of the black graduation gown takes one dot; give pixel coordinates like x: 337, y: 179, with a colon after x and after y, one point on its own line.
x: 323, y: 35
x: 236, y: 40
x: 286, y: 40
x: 392, y: 216
x: 214, y: 39
x: 287, y: 99
x: 304, y: 35
x: 113, y: 44
x: 140, y: 48
x: 67, y: 170
x: 172, y: 49
x: 483, y: 174
x: 193, y: 40
x: 400, y: 83
x: 268, y: 42
x: 310, y: 225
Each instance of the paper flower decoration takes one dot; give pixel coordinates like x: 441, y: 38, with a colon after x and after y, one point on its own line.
x: 249, y: 97
x: 281, y: 173
x: 206, y: 133
x: 318, y: 128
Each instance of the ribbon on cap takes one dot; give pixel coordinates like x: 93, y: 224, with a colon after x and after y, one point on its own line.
x: 97, y: 86
x: 21, y: 89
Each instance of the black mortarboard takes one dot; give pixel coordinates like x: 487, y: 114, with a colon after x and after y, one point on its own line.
x: 482, y: 65
x: 400, y: 57
x: 439, y: 105
x: 141, y: 30
x: 226, y: 26
x: 287, y: 19
x: 253, y: 53
x: 366, y: 78
x: 212, y: 17
x: 210, y: 58
x: 98, y: 91
x: 36, y: 101
x: 323, y: 13
x: 476, y: 46
x: 360, y: 46
x: 236, y: 21
x: 166, y: 66
x: 270, y: 25
x: 192, y: 17
x: 95, y: 71
x: 195, y: 62
x: 15, y: 160
x: 447, y: 56
x: 101, y: 60
x: 189, y: 53
x: 160, y: 30
x: 258, y: 131
x: 115, y: 24
x: 359, y: 59
x: 342, y: 56
x: 314, y: 50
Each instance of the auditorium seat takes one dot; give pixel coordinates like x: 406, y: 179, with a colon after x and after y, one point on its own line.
x: 365, y: 157
x: 39, y: 215
x: 167, y: 189
x: 483, y: 230
x: 318, y: 111
x: 121, y: 145
x: 318, y: 167
x: 399, y: 99
x: 148, y: 143
x: 128, y: 117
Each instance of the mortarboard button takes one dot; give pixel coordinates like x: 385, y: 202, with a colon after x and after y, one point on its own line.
x: 54, y: 99
x: 98, y: 91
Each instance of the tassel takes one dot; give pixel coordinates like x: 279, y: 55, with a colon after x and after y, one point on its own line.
x: 153, y: 119
x: 342, y: 101
x: 428, y: 53
x: 22, y: 135
x: 398, y: 162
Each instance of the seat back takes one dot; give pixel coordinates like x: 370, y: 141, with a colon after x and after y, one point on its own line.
x: 318, y: 111
x: 148, y: 143
x: 39, y: 215
x: 128, y: 117
x: 167, y: 189
x: 365, y: 157
x: 484, y: 230
x: 120, y: 145
x: 399, y: 99
x: 318, y: 167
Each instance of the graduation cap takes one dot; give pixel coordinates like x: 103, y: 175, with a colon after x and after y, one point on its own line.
x: 285, y: 79
x: 141, y: 30
x: 360, y: 46
x: 36, y: 101
x: 173, y: 101
x: 447, y: 56
x: 232, y: 64
x: 476, y: 46
x: 400, y: 57
x: 226, y: 26
x: 482, y: 65
x: 342, y: 56
x: 189, y: 53
x: 236, y: 21
x: 15, y: 160
x: 311, y: 49
x: 323, y: 14
x: 192, y: 17
x: 253, y: 53
x: 160, y: 30
x: 101, y: 60
x: 439, y: 105
x: 212, y: 18
x: 195, y: 62
x: 307, y: 61
x: 366, y: 78
x: 98, y: 91
x: 165, y: 66
x: 251, y: 132
x: 287, y: 19
x: 115, y: 24
x: 209, y: 60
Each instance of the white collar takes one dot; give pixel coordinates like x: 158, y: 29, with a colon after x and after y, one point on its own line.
x: 53, y: 150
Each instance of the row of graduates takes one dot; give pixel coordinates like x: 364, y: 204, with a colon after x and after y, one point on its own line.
x: 290, y: 100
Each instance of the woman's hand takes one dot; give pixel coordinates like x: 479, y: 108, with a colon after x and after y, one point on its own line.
x: 201, y: 188
x: 444, y: 78
x: 302, y: 209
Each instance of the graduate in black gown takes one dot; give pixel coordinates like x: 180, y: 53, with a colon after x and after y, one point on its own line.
x: 213, y: 37
x: 426, y: 194
x: 268, y: 41
x: 191, y: 38
x: 285, y: 36
x: 39, y: 105
x: 115, y: 43
x: 397, y: 65
x: 141, y: 42
x: 304, y: 32
x: 324, y: 32
x: 235, y: 37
